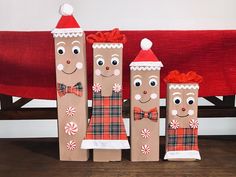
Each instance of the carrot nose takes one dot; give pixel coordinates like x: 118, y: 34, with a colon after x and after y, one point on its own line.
x: 183, y: 109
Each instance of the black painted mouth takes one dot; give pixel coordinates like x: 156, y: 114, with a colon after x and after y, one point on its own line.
x: 106, y: 76
x: 70, y: 72
x: 145, y: 101
x: 182, y: 116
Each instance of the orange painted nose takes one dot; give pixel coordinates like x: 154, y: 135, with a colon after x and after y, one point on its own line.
x: 144, y: 92
x: 107, y: 68
x: 183, y: 109
x: 68, y: 61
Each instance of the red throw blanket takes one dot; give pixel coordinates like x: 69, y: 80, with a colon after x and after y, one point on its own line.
x: 27, y: 66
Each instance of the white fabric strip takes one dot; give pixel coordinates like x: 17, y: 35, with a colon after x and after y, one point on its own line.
x: 105, y: 144
x: 182, y: 155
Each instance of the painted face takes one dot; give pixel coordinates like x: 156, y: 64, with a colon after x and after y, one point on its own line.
x: 182, y: 104
x: 145, y: 87
x: 69, y: 55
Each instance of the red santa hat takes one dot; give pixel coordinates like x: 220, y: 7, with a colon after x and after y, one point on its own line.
x: 67, y: 25
x: 146, y: 59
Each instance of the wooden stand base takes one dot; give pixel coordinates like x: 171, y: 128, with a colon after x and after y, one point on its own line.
x: 100, y: 155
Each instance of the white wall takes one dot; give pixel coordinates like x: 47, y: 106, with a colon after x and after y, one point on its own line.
x: 42, y: 15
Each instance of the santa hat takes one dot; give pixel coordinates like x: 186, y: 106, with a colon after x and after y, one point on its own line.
x: 146, y: 59
x: 67, y: 25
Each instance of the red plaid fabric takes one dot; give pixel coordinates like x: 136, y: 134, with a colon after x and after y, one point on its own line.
x: 106, y: 122
x: 140, y: 114
x: 62, y: 89
x: 182, y: 139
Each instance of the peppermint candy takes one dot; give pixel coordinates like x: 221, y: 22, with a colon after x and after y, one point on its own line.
x: 174, y: 124
x: 116, y: 87
x: 70, y: 111
x: 97, y: 87
x: 145, y: 149
x: 71, y: 145
x: 193, y: 123
x: 71, y: 128
x: 145, y: 133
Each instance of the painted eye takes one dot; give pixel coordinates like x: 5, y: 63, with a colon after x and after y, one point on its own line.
x: 100, y: 62
x: 75, y: 50
x: 190, y: 100
x: 61, y: 50
x: 137, y: 82
x: 114, y: 60
x: 153, y: 82
x: 177, y: 100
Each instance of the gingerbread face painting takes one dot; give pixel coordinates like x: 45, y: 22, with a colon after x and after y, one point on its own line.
x: 182, y: 122
x: 69, y: 40
x: 145, y: 90
x: 106, y: 131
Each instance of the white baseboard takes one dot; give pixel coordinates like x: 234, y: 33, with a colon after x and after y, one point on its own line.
x: 48, y: 128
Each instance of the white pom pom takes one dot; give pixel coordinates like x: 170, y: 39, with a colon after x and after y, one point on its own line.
x: 66, y: 10
x: 146, y: 44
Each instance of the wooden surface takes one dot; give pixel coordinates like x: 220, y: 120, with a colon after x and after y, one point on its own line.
x: 39, y: 158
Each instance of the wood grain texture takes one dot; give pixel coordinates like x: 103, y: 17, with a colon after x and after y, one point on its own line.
x: 39, y: 157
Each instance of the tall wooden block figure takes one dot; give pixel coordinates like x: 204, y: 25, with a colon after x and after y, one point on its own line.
x: 182, y: 121
x: 145, y: 89
x: 106, y: 131
x: 71, y: 85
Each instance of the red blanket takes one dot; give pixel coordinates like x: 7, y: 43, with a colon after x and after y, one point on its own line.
x: 28, y: 70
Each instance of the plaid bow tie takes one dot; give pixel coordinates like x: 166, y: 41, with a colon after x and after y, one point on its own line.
x: 139, y: 114
x: 63, y: 89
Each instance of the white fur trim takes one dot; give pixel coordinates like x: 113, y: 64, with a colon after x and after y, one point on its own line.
x: 66, y: 9
x: 183, y: 86
x: 105, y: 144
x: 146, y: 66
x: 67, y: 32
x: 107, y: 45
x: 182, y: 155
x: 146, y: 44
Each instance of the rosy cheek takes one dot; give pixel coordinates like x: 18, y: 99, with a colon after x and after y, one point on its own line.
x: 174, y: 112
x: 79, y: 65
x: 153, y: 96
x: 60, y: 67
x: 97, y: 72
x: 190, y: 112
x: 137, y: 97
x: 116, y: 72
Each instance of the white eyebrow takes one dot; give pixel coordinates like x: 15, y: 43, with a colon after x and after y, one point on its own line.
x: 190, y: 93
x: 75, y: 42
x: 115, y: 55
x: 61, y: 43
x: 152, y: 76
x: 176, y: 93
x: 137, y: 76
x: 98, y: 56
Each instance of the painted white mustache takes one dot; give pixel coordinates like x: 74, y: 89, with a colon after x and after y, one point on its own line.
x: 152, y: 96
x: 175, y: 112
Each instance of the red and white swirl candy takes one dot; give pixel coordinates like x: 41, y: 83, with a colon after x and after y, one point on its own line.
x: 71, y: 128
x: 174, y: 124
x: 71, y: 145
x: 145, y: 149
x: 145, y: 133
x: 193, y: 123
x: 70, y: 111
x: 97, y: 87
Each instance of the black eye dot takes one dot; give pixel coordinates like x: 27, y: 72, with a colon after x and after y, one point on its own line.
x: 100, y: 63
x: 137, y: 84
x: 190, y: 102
x: 114, y: 62
x: 60, y: 51
x: 153, y: 83
x: 177, y: 101
x: 76, y: 51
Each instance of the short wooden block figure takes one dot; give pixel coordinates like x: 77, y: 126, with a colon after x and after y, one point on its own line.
x: 71, y: 79
x: 182, y: 120
x: 145, y: 89
x: 106, y: 131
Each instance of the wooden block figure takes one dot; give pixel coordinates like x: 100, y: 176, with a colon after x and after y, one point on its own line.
x: 71, y: 86
x: 145, y: 89
x: 106, y: 131
x: 182, y: 121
